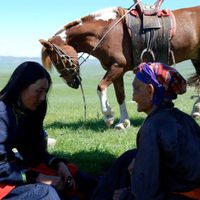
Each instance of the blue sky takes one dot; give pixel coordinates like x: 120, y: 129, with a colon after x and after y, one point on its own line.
x: 24, y: 22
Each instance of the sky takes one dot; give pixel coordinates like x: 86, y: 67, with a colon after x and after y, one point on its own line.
x: 24, y: 22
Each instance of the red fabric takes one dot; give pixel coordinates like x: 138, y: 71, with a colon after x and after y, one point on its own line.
x: 164, y: 13
x: 194, y: 194
x: 5, y: 189
x: 41, y: 168
x: 161, y: 13
x: 44, y: 169
x: 134, y: 13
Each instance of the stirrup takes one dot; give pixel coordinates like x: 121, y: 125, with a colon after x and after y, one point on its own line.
x: 146, y: 50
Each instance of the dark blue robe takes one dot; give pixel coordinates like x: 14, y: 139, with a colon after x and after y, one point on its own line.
x: 17, y: 130
x: 167, y: 159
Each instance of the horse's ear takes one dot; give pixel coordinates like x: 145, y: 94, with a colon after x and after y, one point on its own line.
x: 46, y: 60
x: 46, y: 44
x: 71, y: 24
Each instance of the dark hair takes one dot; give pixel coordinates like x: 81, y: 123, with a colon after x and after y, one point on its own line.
x: 24, y: 75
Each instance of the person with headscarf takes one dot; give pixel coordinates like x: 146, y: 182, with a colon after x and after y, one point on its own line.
x: 33, y: 173
x: 166, y: 163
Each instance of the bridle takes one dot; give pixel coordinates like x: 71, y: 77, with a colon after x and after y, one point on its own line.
x: 73, y: 70
x: 63, y: 57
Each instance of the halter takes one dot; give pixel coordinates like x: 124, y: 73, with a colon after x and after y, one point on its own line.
x: 65, y: 58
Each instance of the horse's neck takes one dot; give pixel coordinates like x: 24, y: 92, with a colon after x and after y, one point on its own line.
x: 89, y: 36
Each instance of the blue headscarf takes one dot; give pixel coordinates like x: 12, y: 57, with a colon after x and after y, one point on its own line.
x: 166, y: 81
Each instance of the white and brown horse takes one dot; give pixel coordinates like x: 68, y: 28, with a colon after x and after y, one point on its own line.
x: 104, y: 34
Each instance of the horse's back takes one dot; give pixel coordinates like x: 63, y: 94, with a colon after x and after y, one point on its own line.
x: 186, y: 41
x: 188, y: 17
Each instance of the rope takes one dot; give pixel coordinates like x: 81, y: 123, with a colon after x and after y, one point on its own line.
x: 173, y: 58
x: 85, y: 107
x: 120, y: 19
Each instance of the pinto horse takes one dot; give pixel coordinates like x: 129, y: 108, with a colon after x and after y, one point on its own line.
x: 105, y: 35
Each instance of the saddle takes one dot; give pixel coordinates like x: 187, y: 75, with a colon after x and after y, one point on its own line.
x: 149, y: 14
x: 151, y: 32
x: 148, y: 10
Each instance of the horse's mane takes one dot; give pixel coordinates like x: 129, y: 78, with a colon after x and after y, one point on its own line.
x: 46, y: 61
x: 116, y: 11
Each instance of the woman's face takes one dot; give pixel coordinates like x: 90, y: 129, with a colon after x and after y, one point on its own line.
x: 142, y: 95
x: 35, y: 94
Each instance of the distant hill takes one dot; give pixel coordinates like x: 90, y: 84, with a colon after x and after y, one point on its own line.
x: 91, y: 67
x: 11, y: 62
x: 8, y: 63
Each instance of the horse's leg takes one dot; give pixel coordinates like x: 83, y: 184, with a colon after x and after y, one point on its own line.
x: 196, y: 107
x: 120, y: 94
x: 105, y: 107
x: 111, y: 76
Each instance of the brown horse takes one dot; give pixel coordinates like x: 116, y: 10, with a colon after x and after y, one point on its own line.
x: 105, y: 35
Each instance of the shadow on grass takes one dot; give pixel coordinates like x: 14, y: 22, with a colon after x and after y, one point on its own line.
x: 137, y: 122
x: 93, y: 162
x: 94, y: 124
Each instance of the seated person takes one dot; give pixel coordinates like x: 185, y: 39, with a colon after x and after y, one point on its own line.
x: 35, y: 174
x: 166, y: 163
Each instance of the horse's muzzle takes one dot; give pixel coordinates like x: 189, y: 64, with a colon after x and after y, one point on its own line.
x: 76, y: 81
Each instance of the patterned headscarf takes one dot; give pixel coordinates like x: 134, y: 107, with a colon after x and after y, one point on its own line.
x: 166, y: 80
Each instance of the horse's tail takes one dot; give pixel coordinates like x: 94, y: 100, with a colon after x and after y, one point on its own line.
x: 46, y: 61
x: 194, y: 80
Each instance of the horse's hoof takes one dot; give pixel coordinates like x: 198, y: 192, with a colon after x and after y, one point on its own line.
x: 119, y: 126
x: 196, y: 115
x: 109, y: 119
x: 109, y: 122
x: 51, y: 142
x: 196, y: 110
x: 123, y: 125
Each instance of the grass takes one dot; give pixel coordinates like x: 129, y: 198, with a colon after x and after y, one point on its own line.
x: 89, y: 143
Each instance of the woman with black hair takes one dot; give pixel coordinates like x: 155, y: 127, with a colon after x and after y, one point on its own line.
x: 36, y: 174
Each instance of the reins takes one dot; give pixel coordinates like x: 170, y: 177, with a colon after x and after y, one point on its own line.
x: 65, y: 57
x: 108, y: 31
x: 85, y: 107
x: 115, y: 24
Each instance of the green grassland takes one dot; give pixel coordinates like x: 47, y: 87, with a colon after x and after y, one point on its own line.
x: 89, y: 143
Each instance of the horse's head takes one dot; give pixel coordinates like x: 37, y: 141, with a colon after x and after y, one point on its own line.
x: 64, y: 58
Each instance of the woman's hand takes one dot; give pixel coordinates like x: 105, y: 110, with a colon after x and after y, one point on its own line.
x: 117, y: 193
x: 55, y: 181
x: 65, y: 175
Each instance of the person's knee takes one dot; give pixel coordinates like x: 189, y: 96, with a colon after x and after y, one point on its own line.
x: 47, y: 191
x: 125, y: 159
x: 33, y: 191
